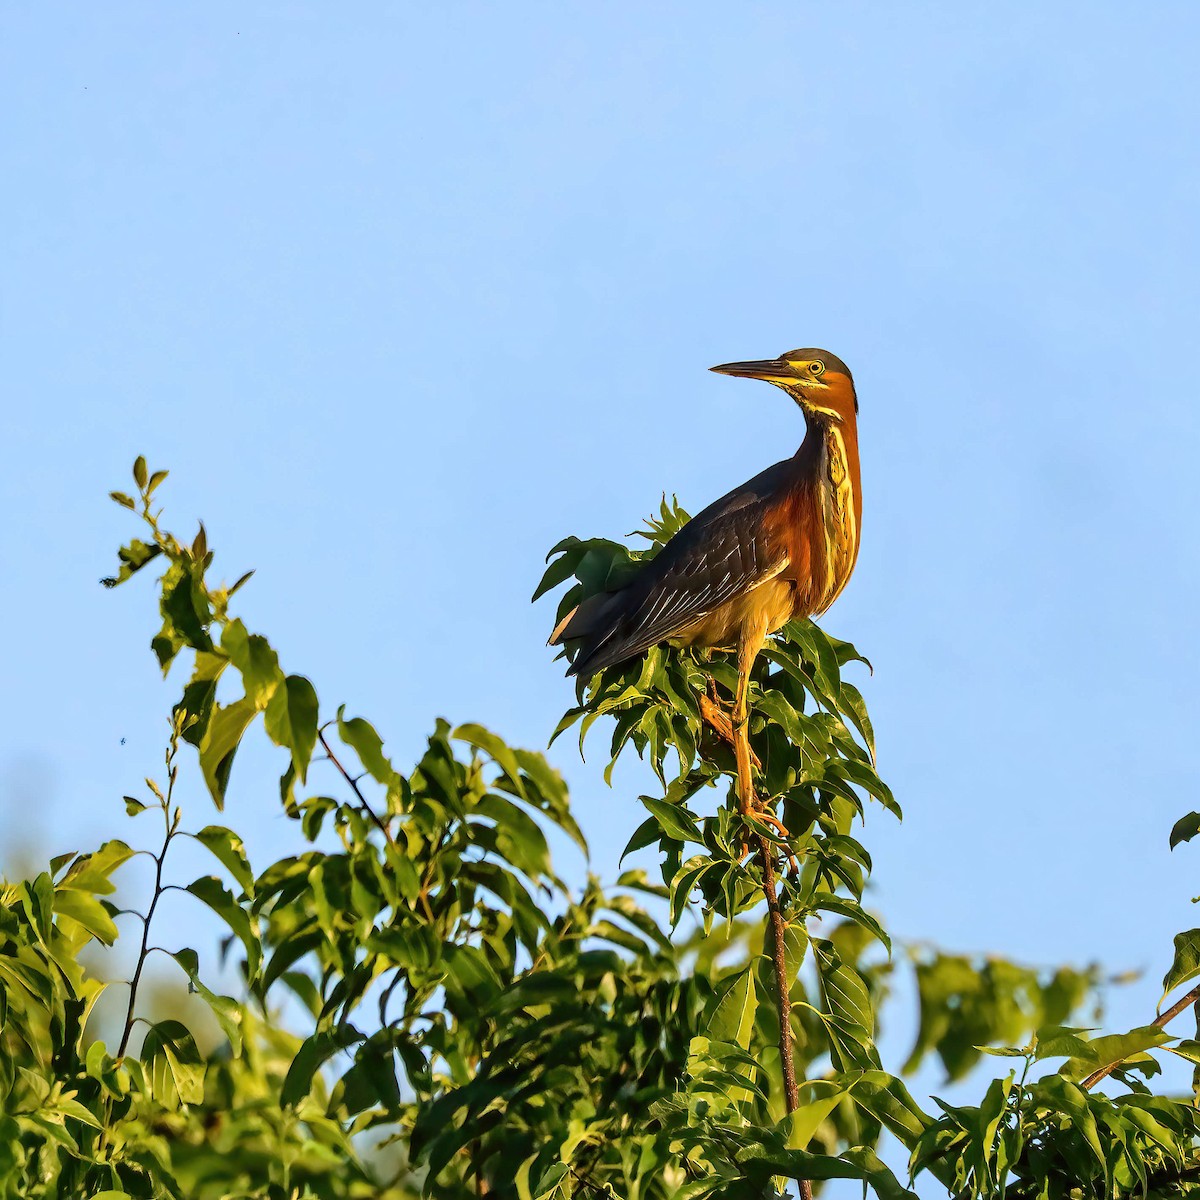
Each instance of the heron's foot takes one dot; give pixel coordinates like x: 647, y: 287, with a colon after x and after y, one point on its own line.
x: 759, y: 813
x: 769, y: 818
x: 717, y: 717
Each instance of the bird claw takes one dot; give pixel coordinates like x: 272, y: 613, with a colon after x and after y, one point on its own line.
x: 758, y: 813
x: 767, y: 818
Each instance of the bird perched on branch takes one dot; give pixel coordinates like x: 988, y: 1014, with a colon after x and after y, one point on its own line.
x: 780, y: 547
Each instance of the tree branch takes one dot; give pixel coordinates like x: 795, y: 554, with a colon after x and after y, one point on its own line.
x: 749, y: 809
x: 1159, y: 1022
x: 353, y: 783
x: 778, y: 926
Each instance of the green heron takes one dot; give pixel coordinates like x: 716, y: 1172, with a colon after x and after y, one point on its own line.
x: 780, y: 547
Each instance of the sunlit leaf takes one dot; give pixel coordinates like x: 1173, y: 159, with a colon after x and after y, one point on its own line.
x: 175, y: 1064
x: 1186, y: 964
x: 291, y: 720
x: 229, y: 850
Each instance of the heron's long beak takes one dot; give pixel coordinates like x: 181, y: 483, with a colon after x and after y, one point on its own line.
x: 764, y: 368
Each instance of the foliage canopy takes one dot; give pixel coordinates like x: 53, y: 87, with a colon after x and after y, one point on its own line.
x: 421, y: 1005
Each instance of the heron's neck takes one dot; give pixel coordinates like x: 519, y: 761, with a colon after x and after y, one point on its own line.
x: 829, y: 453
x: 829, y: 469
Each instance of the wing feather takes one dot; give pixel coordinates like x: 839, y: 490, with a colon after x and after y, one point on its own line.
x: 723, y: 552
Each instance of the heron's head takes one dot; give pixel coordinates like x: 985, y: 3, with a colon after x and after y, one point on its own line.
x: 817, y: 380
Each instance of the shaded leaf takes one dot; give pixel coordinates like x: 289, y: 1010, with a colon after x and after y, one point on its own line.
x: 1185, y: 829
x: 313, y: 1053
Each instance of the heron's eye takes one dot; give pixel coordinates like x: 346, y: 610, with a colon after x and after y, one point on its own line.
x: 816, y: 368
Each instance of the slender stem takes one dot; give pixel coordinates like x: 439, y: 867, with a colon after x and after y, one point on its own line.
x: 362, y: 800
x: 481, y: 1184
x: 1159, y: 1022
x: 144, y: 951
x: 791, y: 1090
x: 747, y: 806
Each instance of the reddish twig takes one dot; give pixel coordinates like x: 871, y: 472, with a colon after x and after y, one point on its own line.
x: 766, y: 853
x: 1159, y: 1022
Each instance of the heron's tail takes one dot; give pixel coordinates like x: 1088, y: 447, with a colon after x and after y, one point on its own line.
x: 597, y: 624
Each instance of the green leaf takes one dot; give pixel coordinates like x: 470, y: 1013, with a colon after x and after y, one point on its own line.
x: 858, y: 1163
x: 76, y: 1111
x: 849, y: 1020
x: 1060, y: 1041
x: 213, y: 892
x: 222, y: 736
x: 854, y: 707
x: 185, y: 607
x: 548, y: 793
x: 226, y: 1010
x: 254, y: 658
x: 140, y: 474
x: 291, y: 720
x: 887, y: 1099
x: 1073, y: 1101
x: 290, y: 950
x: 795, y: 948
x: 229, y: 850
x: 646, y: 834
x: 827, y: 902
x: 684, y: 880
x: 1187, y: 962
x: 1113, y: 1048
x: 496, y: 749
x: 313, y: 1053
x: 557, y: 572
x: 519, y: 839
x: 88, y: 911
x: 1185, y: 829
x: 176, y: 1068
x: 733, y: 1017
x: 554, y: 1183
x: 798, y: 1127
x: 1188, y: 1048
x: 361, y: 737
x: 471, y: 982
x: 673, y: 819
x: 845, y: 992
x: 132, y: 559
x: 90, y: 872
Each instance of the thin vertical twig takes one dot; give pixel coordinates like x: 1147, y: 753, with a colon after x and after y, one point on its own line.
x: 791, y: 1090
x: 353, y: 783
x: 145, y: 947
x: 778, y: 927
x: 169, y: 832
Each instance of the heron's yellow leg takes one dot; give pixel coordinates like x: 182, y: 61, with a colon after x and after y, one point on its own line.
x: 749, y: 645
x: 716, y: 716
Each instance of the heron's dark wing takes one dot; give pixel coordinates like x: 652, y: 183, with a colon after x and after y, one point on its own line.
x: 723, y: 552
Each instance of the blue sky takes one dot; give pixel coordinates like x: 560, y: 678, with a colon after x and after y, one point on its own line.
x: 401, y: 297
